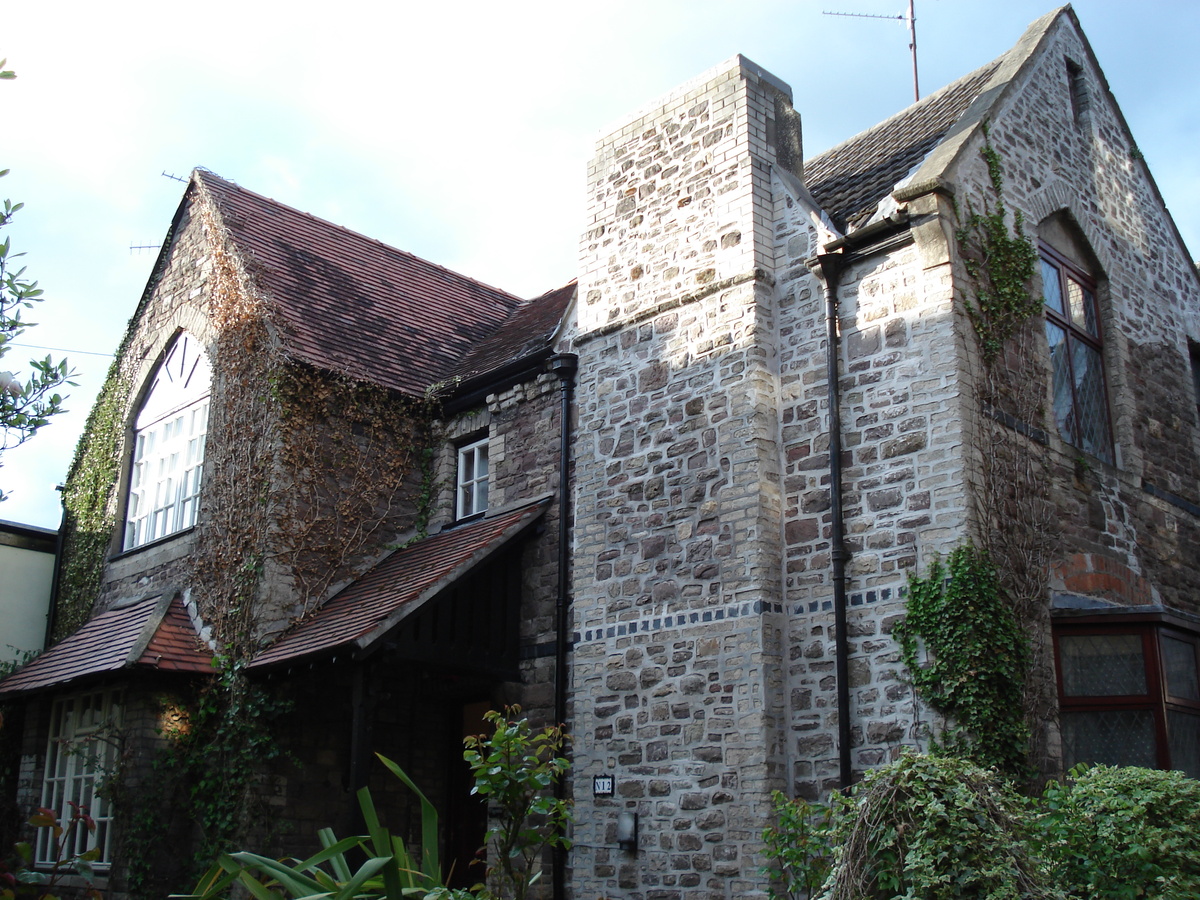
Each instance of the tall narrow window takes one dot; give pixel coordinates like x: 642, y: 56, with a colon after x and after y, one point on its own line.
x: 80, y: 754
x: 168, y: 454
x: 1073, y: 332
x: 1081, y: 102
x: 1194, y: 355
x: 472, y: 479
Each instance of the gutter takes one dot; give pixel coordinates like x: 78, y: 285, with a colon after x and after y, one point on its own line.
x: 475, y: 390
x: 565, y: 366
x: 839, y: 255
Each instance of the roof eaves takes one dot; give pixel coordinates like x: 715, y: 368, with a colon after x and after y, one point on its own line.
x: 369, y: 641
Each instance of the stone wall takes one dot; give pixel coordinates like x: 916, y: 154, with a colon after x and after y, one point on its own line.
x: 1141, y: 513
x: 678, y: 619
x: 903, y: 478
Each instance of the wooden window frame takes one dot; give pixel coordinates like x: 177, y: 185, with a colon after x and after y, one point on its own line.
x: 80, y: 755
x: 1074, y: 334
x: 469, y: 501
x: 1158, y: 699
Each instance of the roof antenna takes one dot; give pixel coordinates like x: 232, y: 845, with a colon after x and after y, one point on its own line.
x: 166, y: 174
x: 138, y: 248
x: 911, y: 19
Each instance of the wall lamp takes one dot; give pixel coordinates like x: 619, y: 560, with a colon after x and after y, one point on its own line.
x: 627, y: 831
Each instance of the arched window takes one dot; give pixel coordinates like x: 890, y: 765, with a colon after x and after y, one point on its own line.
x: 1073, y: 332
x: 168, y: 453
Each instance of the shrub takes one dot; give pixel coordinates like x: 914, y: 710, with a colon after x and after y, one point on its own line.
x: 934, y: 828
x: 515, y: 769
x: 387, y: 870
x: 1116, y: 833
x: 798, y: 846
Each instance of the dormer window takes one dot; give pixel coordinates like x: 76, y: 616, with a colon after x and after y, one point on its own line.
x: 168, y: 454
x: 472, y: 479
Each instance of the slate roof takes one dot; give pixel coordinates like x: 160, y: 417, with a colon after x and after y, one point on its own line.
x: 350, y: 304
x: 370, y: 607
x: 149, y: 634
x: 851, y: 179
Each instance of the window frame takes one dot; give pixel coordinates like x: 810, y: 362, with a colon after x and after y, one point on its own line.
x: 73, y: 773
x: 1158, y: 699
x: 162, y: 498
x: 1076, y: 334
x: 469, y: 501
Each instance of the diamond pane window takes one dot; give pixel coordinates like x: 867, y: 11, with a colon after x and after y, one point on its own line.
x: 1184, y: 728
x: 1129, y: 693
x: 1076, y: 357
x: 168, y: 454
x: 1179, y: 660
x: 1110, y: 738
x: 1102, y: 664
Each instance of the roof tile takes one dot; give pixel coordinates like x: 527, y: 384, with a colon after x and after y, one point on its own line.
x: 108, y: 643
x: 851, y: 179
x: 349, y: 304
x: 398, y: 585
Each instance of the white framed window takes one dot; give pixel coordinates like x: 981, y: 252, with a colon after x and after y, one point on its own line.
x: 168, y: 454
x: 472, y: 479
x: 80, y: 754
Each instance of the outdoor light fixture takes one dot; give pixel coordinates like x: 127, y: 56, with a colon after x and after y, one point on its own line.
x: 627, y: 829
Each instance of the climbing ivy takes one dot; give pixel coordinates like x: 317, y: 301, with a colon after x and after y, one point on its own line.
x: 216, y: 747
x: 966, y: 654
x: 1016, y: 522
x: 90, y: 503
x: 1000, y: 262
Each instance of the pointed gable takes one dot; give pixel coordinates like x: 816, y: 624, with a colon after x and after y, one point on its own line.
x: 349, y: 304
x: 920, y: 142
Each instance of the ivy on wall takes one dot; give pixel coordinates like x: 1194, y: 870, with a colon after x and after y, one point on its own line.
x: 90, y: 504
x: 1000, y: 262
x: 966, y: 654
x: 1017, y: 525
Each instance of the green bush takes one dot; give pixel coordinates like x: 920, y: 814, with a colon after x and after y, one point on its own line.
x: 1116, y: 833
x: 934, y: 828
x: 387, y: 871
x: 798, y: 846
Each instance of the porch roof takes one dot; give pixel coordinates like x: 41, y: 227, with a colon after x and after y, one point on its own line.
x: 366, y: 610
x: 155, y: 633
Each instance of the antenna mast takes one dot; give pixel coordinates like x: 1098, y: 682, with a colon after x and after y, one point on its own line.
x: 909, y: 19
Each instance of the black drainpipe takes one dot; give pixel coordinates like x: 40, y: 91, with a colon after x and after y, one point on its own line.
x: 880, y: 236
x: 564, y: 365
x: 831, y: 270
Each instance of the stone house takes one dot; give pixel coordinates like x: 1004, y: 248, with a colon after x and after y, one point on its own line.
x: 770, y: 399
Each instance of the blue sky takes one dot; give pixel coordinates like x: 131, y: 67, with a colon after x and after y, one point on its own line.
x: 459, y: 133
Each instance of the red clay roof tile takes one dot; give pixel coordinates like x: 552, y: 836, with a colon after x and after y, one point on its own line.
x: 398, y: 586
x: 349, y: 304
x: 141, y: 635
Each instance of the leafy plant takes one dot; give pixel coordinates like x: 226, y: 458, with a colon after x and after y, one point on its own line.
x: 389, y: 871
x: 20, y: 880
x: 975, y: 652
x: 1122, y: 833
x: 516, y: 769
x: 934, y: 828
x: 26, y: 405
x: 798, y: 846
x: 1000, y: 263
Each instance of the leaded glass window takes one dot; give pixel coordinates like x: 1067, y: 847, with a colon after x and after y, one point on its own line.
x: 1076, y: 356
